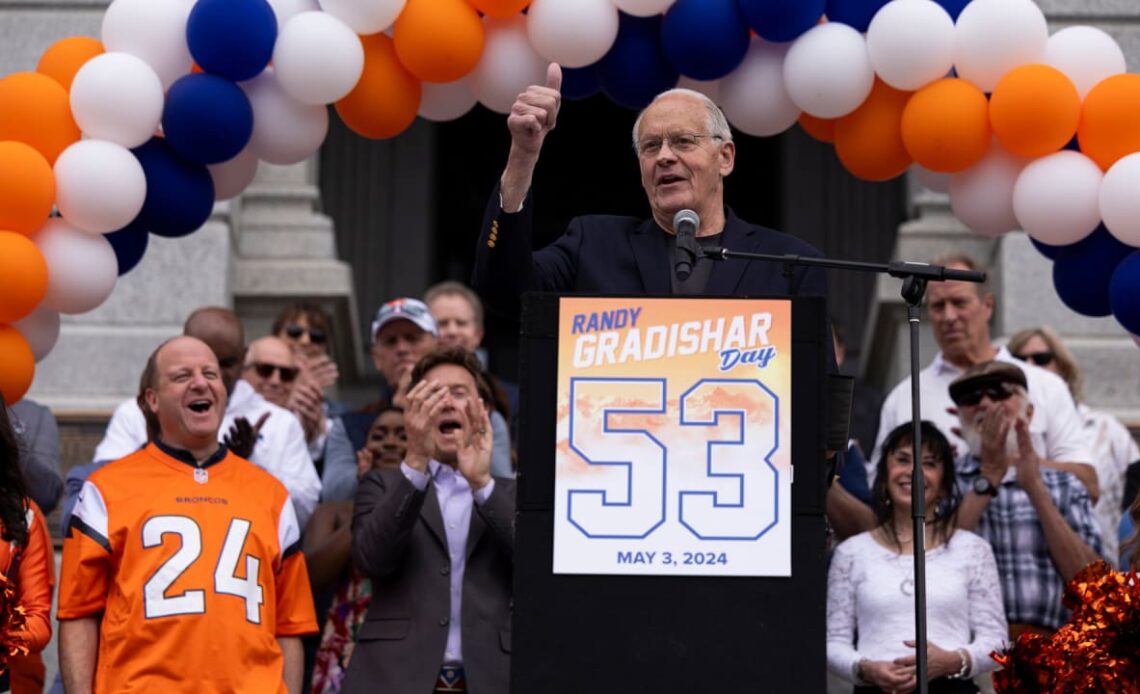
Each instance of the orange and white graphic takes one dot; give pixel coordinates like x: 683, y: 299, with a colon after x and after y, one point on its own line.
x: 674, y: 437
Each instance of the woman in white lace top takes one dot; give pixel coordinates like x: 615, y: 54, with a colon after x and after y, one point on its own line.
x: 870, y: 586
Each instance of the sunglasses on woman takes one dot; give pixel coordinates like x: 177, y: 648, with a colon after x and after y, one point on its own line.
x: 316, y: 335
x: 1038, y: 358
x: 288, y: 373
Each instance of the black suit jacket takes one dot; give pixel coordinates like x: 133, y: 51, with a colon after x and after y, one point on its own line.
x: 603, y: 254
x: 398, y: 541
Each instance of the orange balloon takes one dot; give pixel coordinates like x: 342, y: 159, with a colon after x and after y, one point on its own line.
x: 23, y: 276
x: 1110, y: 120
x: 64, y: 58
x: 822, y: 129
x: 438, y: 40
x: 946, y: 125
x: 385, y: 100
x: 27, y: 188
x: 35, y: 110
x: 1034, y: 110
x: 501, y: 9
x: 869, y: 140
x: 17, y: 364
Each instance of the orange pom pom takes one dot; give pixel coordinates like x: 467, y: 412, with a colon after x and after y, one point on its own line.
x: 1034, y: 110
x: 23, y: 277
x: 385, y: 100
x: 869, y: 141
x: 438, y: 40
x: 17, y: 365
x: 946, y: 125
x: 64, y: 58
x: 27, y: 188
x: 35, y: 110
x: 822, y: 129
x: 1109, y: 128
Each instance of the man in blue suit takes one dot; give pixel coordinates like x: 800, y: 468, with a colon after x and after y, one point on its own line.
x: 684, y: 148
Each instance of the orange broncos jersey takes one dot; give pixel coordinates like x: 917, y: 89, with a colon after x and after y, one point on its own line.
x: 196, y: 573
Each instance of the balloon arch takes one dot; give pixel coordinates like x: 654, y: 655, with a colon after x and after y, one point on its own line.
x: 1023, y: 129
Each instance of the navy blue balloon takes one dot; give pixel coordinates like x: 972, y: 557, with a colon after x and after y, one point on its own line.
x: 781, y: 20
x: 130, y: 245
x: 854, y: 13
x: 232, y: 38
x: 953, y: 7
x: 636, y: 69
x: 207, y: 119
x: 1073, y: 145
x: 579, y: 82
x: 1045, y: 249
x: 179, y: 193
x: 1082, y: 272
x: 705, y: 39
x: 1124, y: 293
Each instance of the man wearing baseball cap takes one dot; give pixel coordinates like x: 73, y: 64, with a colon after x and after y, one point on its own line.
x: 1038, y: 520
x: 402, y: 331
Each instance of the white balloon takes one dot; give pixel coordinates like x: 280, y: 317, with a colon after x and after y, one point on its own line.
x: 508, y: 64
x: 233, y: 176
x: 1120, y: 199
x: 827, y: 71
x: 644, y: 8
x: 911, y: 43
x: 318, y: 59
x: 41, y: 329
x: 982, y: 195
x: 154, y: 30
x: 365, y: 16
x: 933, y: 180
x: 995, y: 36
x: 82, y: 267
x: 572, y: 33
x: 444, y: 101
x: 753, y: 95
x: 1086, y: 55
x: 285, y: 10
x: 710, y: 88
x: 1057, y: 198
x: 117, y: 97
x: 285, y: 131
x: 99, y: 186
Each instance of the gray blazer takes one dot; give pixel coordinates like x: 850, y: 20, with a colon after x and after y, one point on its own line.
x: 398, y: 541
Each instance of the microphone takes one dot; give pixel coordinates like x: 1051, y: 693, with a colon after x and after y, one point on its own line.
x: 685, y: 223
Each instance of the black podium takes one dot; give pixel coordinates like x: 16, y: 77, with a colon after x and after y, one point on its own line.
x: 596, y: 634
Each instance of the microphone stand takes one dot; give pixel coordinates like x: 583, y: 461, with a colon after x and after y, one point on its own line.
x: 915, y: 277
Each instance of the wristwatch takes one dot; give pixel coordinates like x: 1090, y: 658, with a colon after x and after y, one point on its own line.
x: 983, y: 486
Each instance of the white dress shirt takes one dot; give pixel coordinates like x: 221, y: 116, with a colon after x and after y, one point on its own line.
x: 280, y: 449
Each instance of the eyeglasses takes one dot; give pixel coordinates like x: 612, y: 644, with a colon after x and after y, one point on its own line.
x: 994, y: 391
x: 678, y: 142
x: 288, y: 373
x: 316, y: 335
x: 1038, y: 358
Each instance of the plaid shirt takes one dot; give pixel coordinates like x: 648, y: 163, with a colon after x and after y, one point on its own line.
x: 1031, y: 587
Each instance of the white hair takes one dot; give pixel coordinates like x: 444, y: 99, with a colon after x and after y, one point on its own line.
x: 715, y: 121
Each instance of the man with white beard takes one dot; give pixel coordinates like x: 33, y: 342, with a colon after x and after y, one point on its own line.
x: 1039, y: 520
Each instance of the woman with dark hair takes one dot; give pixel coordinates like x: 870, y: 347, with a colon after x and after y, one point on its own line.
x: 870, y: 587
x: 25, y: 562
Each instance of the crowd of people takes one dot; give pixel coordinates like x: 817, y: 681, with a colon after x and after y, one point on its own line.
x: 303, y: 545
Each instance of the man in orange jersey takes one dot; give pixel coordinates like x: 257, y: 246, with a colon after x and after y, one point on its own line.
x: 181, y: 569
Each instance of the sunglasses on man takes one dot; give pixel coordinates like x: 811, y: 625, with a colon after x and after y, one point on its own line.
x: 1038, y: 358
x: 288, y: 373
x: 996, y: 392
x: 316, y: 335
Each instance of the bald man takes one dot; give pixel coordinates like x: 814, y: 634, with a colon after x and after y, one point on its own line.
x: 278, y: 441
x: 271, y: 369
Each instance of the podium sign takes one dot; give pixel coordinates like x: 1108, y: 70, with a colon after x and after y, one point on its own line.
x: 673, y: 444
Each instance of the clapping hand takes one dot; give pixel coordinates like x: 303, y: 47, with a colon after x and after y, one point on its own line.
x: 242, y: 436
x: 423, y: 403
x: 474, y: 453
